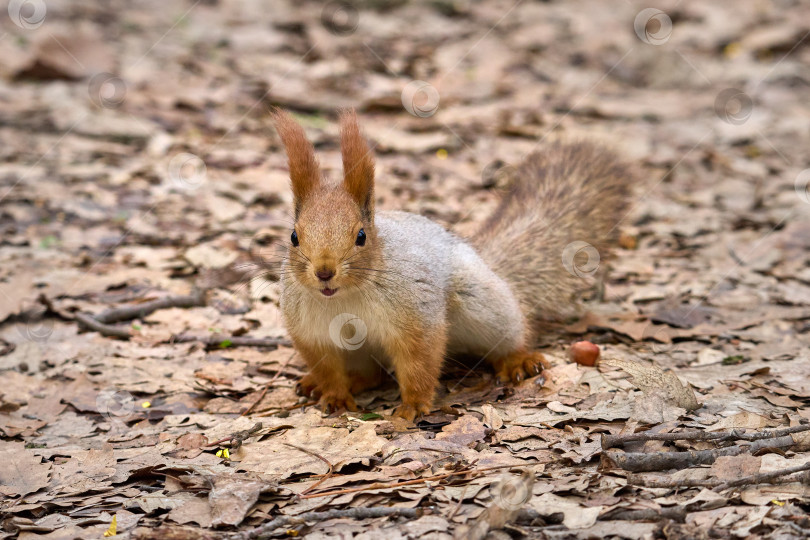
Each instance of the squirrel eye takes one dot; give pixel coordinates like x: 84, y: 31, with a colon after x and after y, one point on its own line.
x: 294, y: 238
x: 361, y: 238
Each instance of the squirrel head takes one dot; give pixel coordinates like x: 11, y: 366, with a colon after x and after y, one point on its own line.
x: 333, y: 244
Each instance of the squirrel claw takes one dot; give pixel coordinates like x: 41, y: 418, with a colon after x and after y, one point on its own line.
x: 333, y: 403
x: 519, y: 366
x: 410, y: 412
x: 308, y: 387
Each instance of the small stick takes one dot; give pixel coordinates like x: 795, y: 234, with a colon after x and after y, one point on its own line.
x: 216, y: 341
x: 354, y: 513
x: 379, y: 485
x: 287, y: 409
x: 455, y: 510
x: 763, y: 477
x: 659, y: 461
x: 139, y: 311
x: 236, y: 439
x: 103, y: 322
x: 108, y: 330
x: 268, y: 385
x: 609, y: 441
x: 677, y: 513
x: 774, y: 477
x: 324, y: 478
x: 638, y: 480
x: 438, y: 450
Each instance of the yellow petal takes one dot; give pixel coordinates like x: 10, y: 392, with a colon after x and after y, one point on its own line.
x: 113, y: 527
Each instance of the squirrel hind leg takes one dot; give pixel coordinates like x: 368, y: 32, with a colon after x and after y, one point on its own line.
x: 519, y: 365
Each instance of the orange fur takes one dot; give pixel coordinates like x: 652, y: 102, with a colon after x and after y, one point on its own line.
x: 417, y: 354
x: 327, y: 378
x: 358, y: 162
x: 304, y: 170
x: 519, y: 365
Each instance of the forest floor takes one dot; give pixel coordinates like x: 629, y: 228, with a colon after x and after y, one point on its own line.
x: 138, y: 162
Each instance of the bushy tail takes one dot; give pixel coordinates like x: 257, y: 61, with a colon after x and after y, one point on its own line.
x: 555, y: 226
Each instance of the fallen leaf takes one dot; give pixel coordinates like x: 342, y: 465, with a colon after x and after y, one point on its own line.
x: 233, y: 496
x: 466, y: 431
x: 649, y: 378
x: 21, y: 472
x: 575, y: 514
x: 734, y: 467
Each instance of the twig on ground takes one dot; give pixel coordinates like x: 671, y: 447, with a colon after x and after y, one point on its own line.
x: 351, y: 513
x: 103, y: 322
x: 648, y: 514
x: 286, y: 410
x: 767, y: 477
x: 268, y: 385
x: 609, y: 441
x: 108, y: 330
x: 139, y: 311
x: 658, y: 482
x: 313, y: 454
x: 659, y: 461
x: 223, y: 341
x: 677, y: 513
x: 455, y: 510
x: 236, y: 439
x: 773, y: 477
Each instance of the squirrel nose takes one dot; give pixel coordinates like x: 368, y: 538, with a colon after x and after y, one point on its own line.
x: 325, y: 274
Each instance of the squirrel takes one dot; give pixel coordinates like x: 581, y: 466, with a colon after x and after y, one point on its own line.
x: 414, y: 293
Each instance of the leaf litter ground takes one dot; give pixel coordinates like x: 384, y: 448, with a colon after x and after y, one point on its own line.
x: 170, y: 180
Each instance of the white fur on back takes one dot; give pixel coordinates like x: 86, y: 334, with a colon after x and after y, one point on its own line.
x: 436, y: 278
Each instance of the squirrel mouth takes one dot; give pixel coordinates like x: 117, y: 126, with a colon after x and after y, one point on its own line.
x: 326, y: 291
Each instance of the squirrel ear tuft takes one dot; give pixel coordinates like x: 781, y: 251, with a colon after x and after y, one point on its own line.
x: 305, y: 175
x: 358, y: 163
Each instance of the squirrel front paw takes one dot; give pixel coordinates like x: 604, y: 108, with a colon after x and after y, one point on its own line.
x: 330, y: 401
x: 519, y: 366
x: 308, y: 387
x: 337, y: 400
x: 409, y: 411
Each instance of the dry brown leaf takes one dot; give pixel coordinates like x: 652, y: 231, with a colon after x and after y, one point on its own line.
x: 651, y: 379
x: 21, y: 472
x: 575, y: 514
x: 339, y: 446
x: 733, y: 467
x: 232, y: 496
x: 189, y: 445
x: 192, y: 510
x: 466, y: 431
